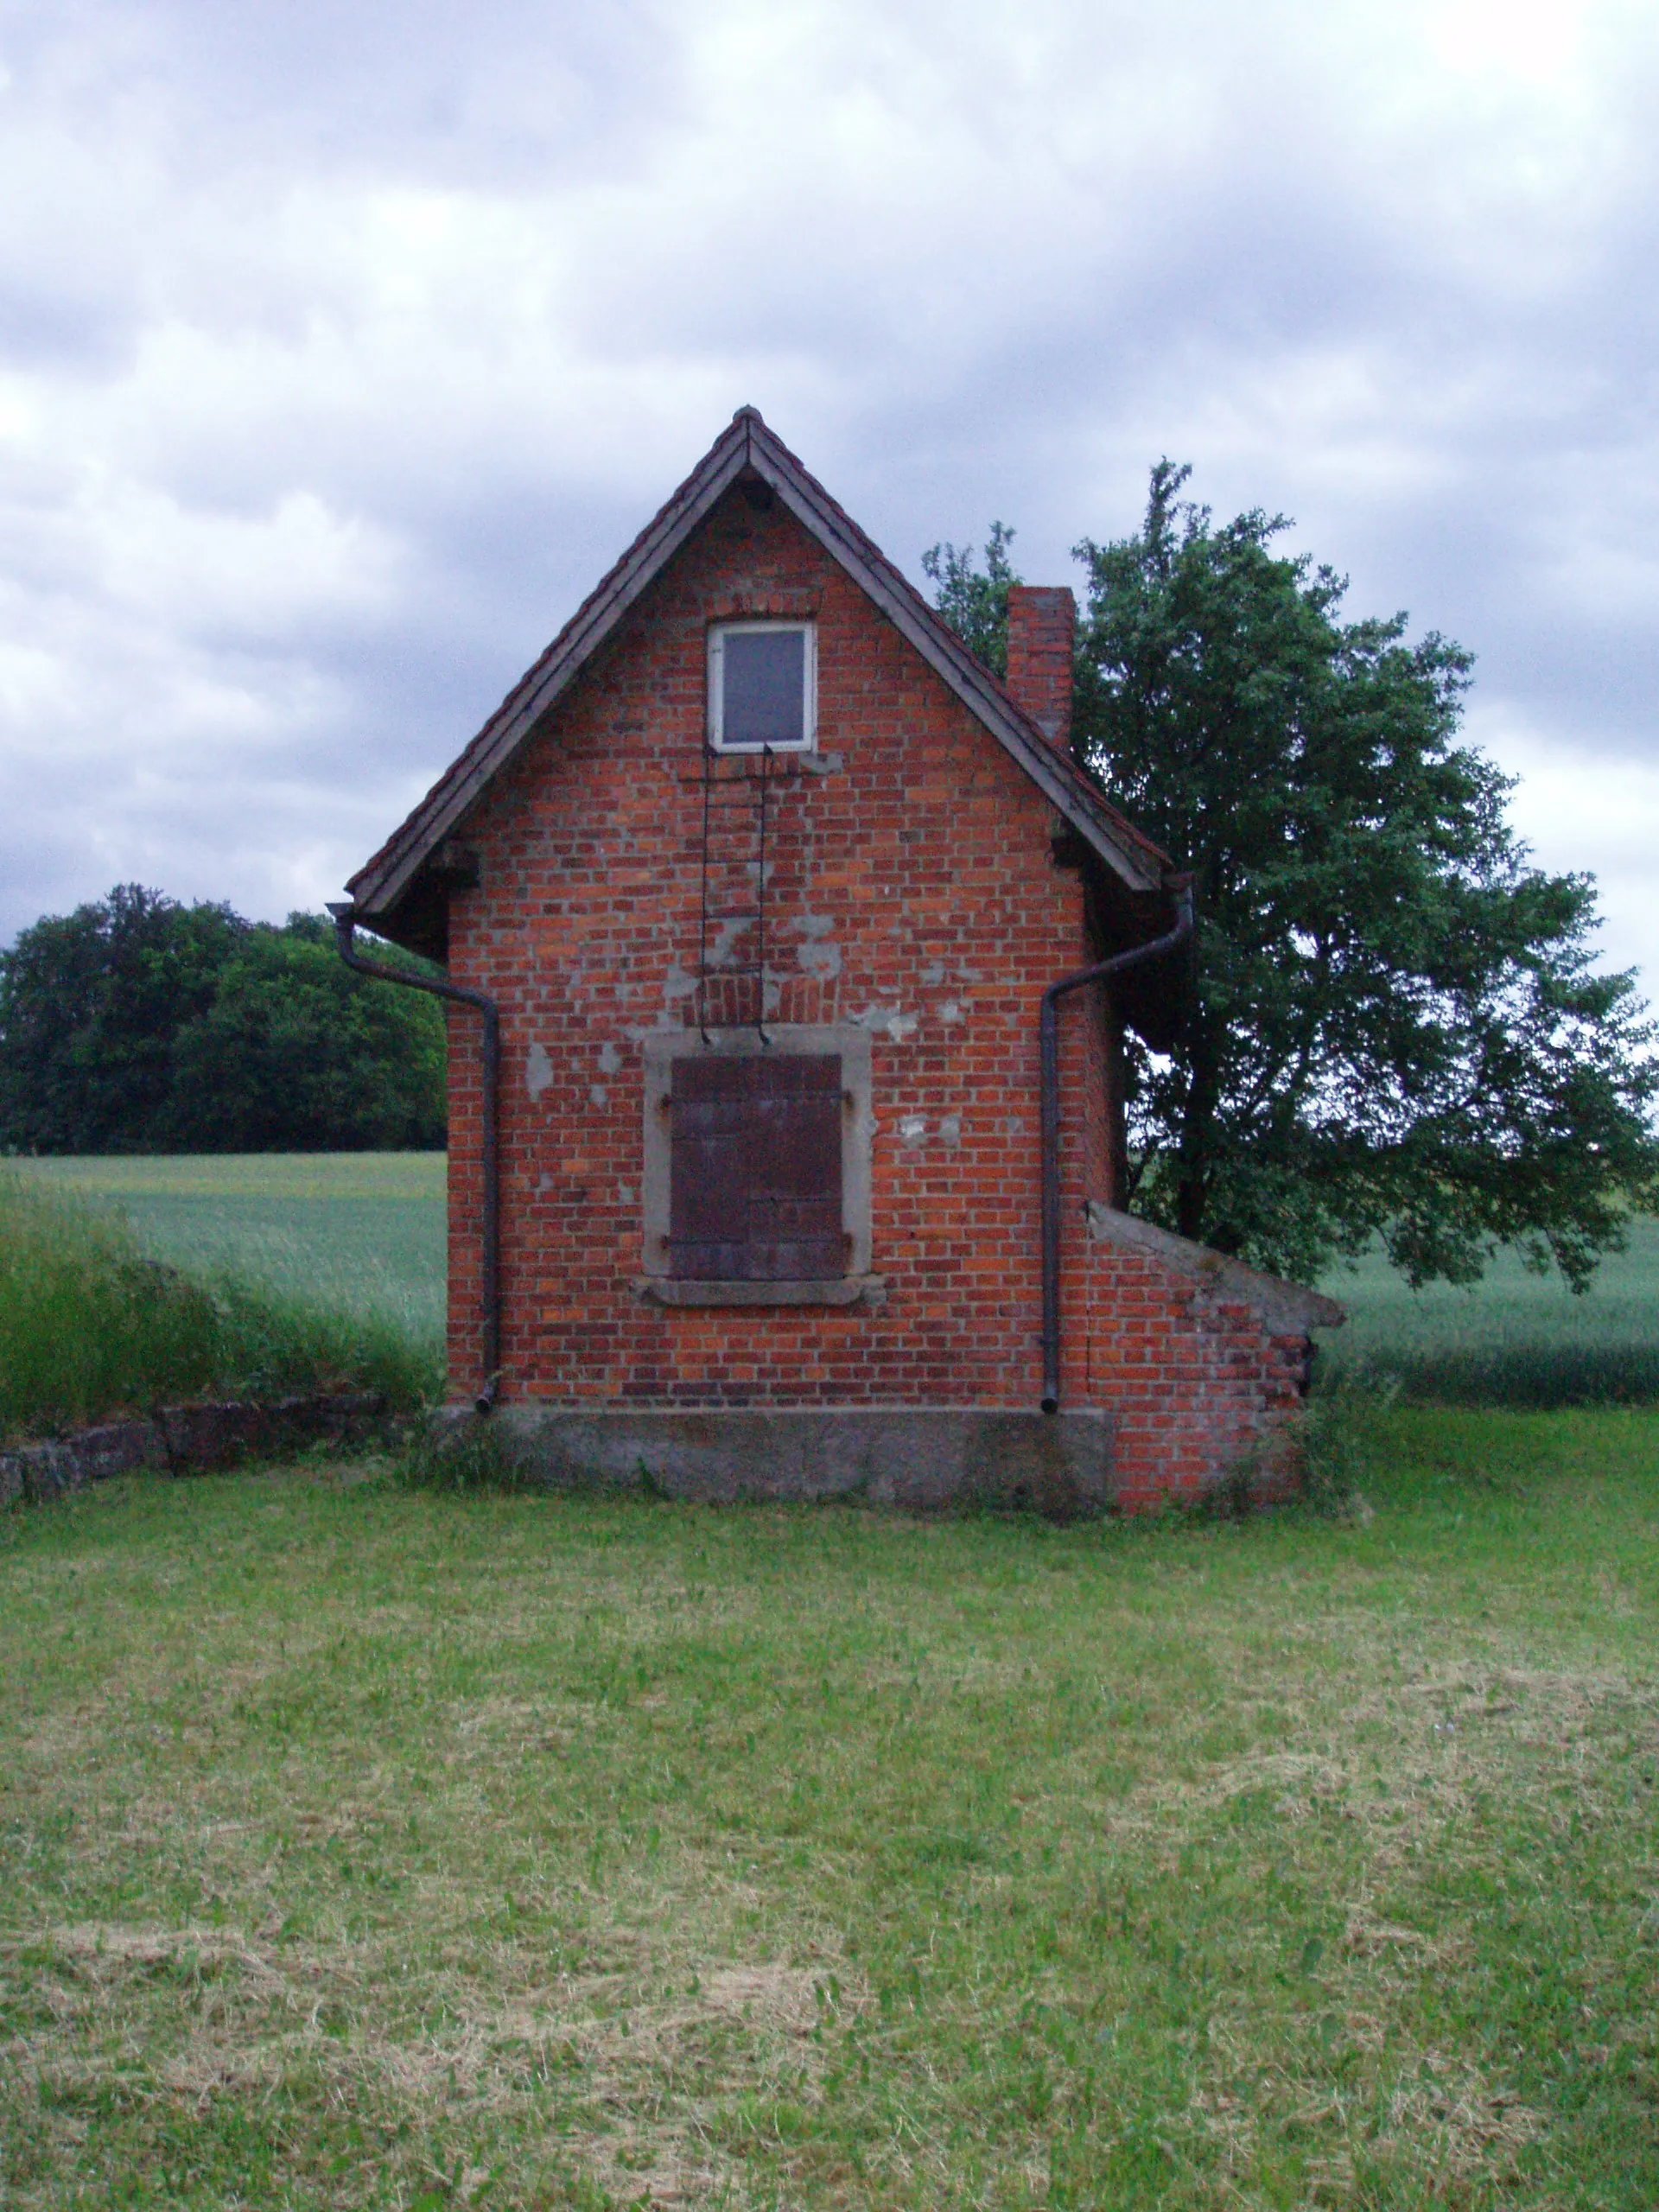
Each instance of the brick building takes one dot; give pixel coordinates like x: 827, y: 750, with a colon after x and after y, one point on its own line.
x: 798, y: 1172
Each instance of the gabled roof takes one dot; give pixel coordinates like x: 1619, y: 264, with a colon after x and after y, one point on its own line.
x: 747, y: 447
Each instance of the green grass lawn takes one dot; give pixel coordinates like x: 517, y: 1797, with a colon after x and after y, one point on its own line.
x: 367, y: 1847
x: 360, y: 1229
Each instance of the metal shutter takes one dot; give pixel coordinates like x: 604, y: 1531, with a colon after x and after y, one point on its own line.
x: 756, y: 1169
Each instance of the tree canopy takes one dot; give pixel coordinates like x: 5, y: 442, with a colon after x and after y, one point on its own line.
x: 1396, y: 1027
x: 137, y: 1024
x: 974, y: 601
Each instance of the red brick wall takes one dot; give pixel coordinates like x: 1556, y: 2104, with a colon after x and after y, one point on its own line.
x: 912, y: 887
x: 1200, y: 1383
x: 1042, y: 633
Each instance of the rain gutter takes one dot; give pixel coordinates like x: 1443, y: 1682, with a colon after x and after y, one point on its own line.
x: 1048, y: 1035
x: 345, y: 922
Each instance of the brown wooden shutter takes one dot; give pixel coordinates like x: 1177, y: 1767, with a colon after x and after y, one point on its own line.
x: 756, y: 1168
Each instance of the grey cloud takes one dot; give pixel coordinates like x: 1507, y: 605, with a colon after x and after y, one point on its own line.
x: 387, y: 327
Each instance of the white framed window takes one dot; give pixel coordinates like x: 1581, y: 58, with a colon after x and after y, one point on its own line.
x: 763, y: 687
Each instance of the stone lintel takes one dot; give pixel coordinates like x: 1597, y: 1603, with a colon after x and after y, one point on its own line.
x: 845, y: 1290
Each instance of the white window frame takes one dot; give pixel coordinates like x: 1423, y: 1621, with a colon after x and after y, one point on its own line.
x: 807, y: 742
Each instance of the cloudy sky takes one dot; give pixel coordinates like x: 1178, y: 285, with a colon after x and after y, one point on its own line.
x: 343, y: 343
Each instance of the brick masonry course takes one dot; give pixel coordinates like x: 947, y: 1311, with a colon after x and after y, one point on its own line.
x: 911, y: 891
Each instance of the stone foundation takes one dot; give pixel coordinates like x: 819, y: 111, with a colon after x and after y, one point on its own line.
x: 917, y: 1460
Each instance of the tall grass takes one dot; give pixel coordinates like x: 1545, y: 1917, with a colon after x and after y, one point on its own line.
x: 92, y: 1325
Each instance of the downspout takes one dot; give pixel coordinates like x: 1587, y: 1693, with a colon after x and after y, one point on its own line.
x: 1049, y: 1034
x: 345, y: 922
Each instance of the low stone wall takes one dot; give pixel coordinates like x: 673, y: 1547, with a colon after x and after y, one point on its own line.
x: 1202, y: 1361
x: 185, y: 1439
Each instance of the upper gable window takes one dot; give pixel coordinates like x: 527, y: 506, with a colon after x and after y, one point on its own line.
x: 762, y: 687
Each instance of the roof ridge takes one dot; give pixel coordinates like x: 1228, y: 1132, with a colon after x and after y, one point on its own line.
x: 748, y: 443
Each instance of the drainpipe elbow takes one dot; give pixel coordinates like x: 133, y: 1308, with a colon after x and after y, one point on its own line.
x: 346, y: 921
x: 1049, y: 1060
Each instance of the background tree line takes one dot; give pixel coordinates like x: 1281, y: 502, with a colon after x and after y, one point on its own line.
x: 137, y: 1024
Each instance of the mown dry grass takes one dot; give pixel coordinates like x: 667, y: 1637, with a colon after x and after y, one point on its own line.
x: 370, y: 1849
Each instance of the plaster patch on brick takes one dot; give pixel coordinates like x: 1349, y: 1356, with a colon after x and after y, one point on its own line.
x: 819, y: 959
x: 599, y: 1095
x: 950, y: 1013
x: 609, y: 1059
x: 676, y: 984
x: 934, y: 972
x: 951, y: 1131
x: 538, y: 1070
x: 725, y: 943
x: 912, y: 1129
x: 626, y: 1194
x: 897, y: 1026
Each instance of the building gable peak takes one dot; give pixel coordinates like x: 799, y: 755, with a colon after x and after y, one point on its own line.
x: 747, y: 447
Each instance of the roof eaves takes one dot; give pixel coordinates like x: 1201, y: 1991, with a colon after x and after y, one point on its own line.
x: 377, y: 885
x: 1134, y: 858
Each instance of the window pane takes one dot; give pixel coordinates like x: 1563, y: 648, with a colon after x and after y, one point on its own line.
x: 765, y: 687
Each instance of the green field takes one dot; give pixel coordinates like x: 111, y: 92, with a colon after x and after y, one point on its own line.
x: 97, y: 1320
x: 366, y: 1230
x: 353, y: 1229
x: 1518, y: 1339
x: 363, y: 1847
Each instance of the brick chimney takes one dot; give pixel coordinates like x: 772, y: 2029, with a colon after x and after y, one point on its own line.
x: 1042, y: 626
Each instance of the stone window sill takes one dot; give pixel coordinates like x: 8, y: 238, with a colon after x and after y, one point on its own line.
x: 846, y: 1290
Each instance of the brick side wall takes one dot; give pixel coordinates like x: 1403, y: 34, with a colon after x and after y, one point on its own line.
x: 1205, y: 1379
x: 910, y: 888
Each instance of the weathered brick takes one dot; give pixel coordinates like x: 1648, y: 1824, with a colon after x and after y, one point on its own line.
x: 913, y: 885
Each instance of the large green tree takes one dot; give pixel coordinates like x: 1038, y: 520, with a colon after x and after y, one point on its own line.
x: 296, y: 1053
x: 974, y: 601
x: 1396, y: 1027
x: 137, y: 1024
